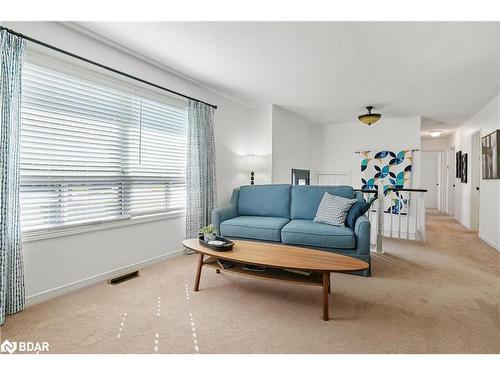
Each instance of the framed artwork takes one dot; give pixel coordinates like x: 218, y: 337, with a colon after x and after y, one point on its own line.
x: 490, y: 159
x: 464, y: 168
x: 458, y: 165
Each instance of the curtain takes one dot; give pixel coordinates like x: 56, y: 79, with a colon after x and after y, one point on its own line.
x: 11, y: 260
x: 201, y: 181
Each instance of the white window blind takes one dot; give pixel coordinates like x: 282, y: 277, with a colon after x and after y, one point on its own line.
x: 92, y: 152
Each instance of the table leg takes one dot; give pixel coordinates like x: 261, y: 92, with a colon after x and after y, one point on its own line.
x: 326, y: 284
x: 198, y: 272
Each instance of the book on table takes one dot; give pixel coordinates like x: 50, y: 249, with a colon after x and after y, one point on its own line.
x: 298, y: 272
x: 253, y: 268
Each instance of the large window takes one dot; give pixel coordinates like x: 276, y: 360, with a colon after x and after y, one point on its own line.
x: 93, y: 151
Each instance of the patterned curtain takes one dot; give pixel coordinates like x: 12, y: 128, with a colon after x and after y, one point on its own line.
x: 201, y: 182
x: 11, y: 260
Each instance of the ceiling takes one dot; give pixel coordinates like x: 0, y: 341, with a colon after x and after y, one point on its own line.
x: 329, y: 71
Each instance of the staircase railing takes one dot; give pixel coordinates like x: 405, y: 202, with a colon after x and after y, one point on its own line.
x: 396, y: 213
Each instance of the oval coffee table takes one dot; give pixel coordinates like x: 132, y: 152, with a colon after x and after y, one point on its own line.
x: 277, y: 257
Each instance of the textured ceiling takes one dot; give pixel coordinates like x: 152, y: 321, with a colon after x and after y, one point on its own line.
x: 329, y: 71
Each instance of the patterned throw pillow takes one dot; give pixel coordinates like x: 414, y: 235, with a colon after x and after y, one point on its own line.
x: 333, y: 210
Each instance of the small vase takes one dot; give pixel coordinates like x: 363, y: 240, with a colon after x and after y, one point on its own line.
x: 209, y: 237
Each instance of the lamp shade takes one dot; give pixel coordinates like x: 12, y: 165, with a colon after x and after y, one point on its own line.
x: 369, y: 118
x: 252, y: 163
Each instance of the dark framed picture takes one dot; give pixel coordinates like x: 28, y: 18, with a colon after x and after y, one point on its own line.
x: 490, y: 155
x: 464, y: 168
x: 458, y: 165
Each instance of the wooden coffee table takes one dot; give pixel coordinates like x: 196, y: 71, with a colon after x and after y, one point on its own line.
x: 276, y: 257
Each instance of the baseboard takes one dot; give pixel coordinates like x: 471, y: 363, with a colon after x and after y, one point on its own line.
x: 463, y: 224
x: 64, y: 289
x: 466, y: 227
x: 482, y: 238
x: 490, y: 243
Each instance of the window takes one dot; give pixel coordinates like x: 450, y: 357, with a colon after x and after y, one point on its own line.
x: 93, y: 151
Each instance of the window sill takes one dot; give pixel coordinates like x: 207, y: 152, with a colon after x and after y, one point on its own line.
x: 36, y: 236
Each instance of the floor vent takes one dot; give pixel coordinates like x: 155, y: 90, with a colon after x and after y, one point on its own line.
x: 122, y: 278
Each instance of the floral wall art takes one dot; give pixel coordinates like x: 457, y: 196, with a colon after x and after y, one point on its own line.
x: 391, y: 169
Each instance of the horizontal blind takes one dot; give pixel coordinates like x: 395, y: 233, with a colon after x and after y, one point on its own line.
x: 156, y: 163
x: 91, y: 152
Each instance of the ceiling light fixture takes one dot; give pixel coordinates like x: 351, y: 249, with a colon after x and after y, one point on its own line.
x: 369, y: 118
x: 435, y: 133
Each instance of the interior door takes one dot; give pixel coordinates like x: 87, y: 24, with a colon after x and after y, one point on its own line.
x: 475, y: 169
x: 439, y: 179
x: 450, y: 184
x: 430, y: 174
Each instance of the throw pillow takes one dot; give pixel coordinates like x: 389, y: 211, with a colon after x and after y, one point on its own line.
x: 358, y: 209
x: 333, y: 210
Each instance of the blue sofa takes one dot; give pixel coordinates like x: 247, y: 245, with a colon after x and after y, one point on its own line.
x: 285, y: 213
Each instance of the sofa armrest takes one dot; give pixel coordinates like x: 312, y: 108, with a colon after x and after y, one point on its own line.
x: 362, y: 233
x: 227, y: 212
x: 222, y: 214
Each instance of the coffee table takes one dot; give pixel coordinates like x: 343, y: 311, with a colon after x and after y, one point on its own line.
x: 277, y: 257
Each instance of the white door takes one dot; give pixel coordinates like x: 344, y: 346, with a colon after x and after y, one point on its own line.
x: 450, y: 183
x: 429, y: 176
x: 475, y: 177
x: 439, y: 178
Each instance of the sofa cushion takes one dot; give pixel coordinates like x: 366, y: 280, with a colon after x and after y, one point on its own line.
x: 309, y: 233
x: 264, y: 200
x: 306, y: 199
x: 255, y: 227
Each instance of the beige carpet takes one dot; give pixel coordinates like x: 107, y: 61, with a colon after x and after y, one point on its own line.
x: 441, y: 297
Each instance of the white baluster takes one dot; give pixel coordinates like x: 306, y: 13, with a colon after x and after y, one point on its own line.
x: 417, y: 214
x: 391, y: 214
x: 408, y: 216
x: 399, y: 215
x: 380, y: 217
x: 423, y: 219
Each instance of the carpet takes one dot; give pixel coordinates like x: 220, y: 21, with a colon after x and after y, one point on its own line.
x: 439, y: 297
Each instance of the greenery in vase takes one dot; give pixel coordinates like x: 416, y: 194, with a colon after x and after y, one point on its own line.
x: 209, y: 229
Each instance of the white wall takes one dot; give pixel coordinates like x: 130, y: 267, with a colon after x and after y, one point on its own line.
x: 487, y: 120
x: 333, y: 147
x: 290, y: 144
x: 259, y: 141
x: 435, y: 144
x: 58, y: 265
x: 249, y: 132
x: 81, y: 258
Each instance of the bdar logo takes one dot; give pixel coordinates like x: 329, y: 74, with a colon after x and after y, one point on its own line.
x: 24, y: 347
x: 8, y: 347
